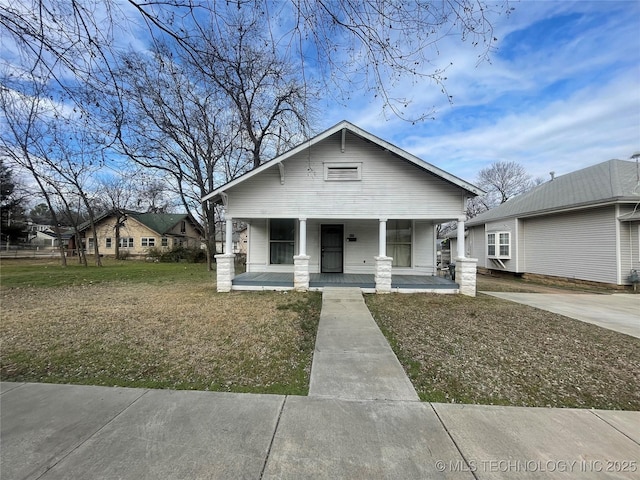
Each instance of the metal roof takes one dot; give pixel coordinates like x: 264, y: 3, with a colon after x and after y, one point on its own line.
x: 612, y: 181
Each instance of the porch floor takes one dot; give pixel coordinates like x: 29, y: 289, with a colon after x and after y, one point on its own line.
x: 267, y: 280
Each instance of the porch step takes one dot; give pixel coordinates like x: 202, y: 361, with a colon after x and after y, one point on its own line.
x: 352, y: 359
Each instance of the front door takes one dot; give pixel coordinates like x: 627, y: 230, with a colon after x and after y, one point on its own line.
x: 331, y: 241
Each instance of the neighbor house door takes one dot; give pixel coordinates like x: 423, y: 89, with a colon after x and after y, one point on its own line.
x: 331, y: 245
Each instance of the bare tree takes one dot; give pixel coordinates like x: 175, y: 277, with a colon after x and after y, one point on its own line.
x: 158, y: 130
x: 503, y: 180
x: 270, y: 101
x: 351, y: 45
x: 116, y: 192
x: 22, y: 139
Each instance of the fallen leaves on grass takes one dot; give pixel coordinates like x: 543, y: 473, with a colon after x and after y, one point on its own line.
x: 491, y: 351
x: 167, y: 336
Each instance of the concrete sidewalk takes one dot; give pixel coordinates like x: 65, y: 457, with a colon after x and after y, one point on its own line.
x: 82, y: 432
x: 361, y: 420
x: 352, y: 359
x: 619, y: 312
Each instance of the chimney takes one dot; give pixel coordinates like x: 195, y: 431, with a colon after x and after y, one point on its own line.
x: 553, y: 175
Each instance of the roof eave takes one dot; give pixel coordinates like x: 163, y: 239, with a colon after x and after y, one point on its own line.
x: 471, y: 189
x: 567, y: 208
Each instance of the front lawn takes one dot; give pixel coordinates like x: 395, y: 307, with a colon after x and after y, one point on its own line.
x: 490, y: 351
x: 151, y: 325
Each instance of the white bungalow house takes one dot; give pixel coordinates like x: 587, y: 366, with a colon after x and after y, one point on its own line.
x: 584, y: 225
x: 346, y: 207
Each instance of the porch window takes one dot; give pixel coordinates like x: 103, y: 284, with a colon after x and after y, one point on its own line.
x: 399, y: 242
x: 281, y: 240
x: 499, y: 245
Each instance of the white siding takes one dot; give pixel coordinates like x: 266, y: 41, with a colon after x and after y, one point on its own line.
x: 629, y: 245
x: 507, y: 225
x: 258, y: 246
x: 476, y: 245
x: 390, y: 187
x: 580, y: 245
x: 358, y: 255
x: 424, y: 251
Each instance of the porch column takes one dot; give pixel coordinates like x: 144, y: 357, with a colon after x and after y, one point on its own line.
x: 466, y: 275
x: 301, y: 261
x: 228, y: 247
x: 225, y: 262
x: 302, y: 249
x: 460, y: 250
x: 382, y: 238
x: 383, y: 263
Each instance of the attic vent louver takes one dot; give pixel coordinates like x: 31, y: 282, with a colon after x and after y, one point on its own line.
x: 341, y: 172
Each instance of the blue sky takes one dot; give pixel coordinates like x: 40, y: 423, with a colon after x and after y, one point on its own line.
x: 561, y: 92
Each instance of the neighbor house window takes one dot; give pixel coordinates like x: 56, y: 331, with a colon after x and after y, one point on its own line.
x: 183, y: 227
x: 126, y: 242
x: 281, y: 240
x: 342, y: 172
x: 107, y: 242
x: 148, y: 242
x: 399, y: 242
x: 165, y: 242
x: 499, y: 244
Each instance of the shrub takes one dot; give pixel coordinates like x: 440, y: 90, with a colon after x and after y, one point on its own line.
x: 178, y: 254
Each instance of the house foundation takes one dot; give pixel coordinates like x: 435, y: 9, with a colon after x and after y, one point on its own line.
x: 225, y: 271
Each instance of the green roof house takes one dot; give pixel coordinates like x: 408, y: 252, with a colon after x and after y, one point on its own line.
x: 139, y: 232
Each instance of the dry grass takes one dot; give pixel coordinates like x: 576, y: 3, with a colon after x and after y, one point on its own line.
x: 491, y: 351
x: 161, y: 336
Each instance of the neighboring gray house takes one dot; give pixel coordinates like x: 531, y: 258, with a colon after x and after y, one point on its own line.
x: 583, y: 225
x: 342, y: 203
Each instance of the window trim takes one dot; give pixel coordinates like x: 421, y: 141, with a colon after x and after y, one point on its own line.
x: 498, y: 244
x: 126, y: 242
x: 356, y: 167
x: 148, y: 242
x: 410, y: 242
x: 293, y: 240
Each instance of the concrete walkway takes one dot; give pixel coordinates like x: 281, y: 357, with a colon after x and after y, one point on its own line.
x: 619, y: 312
x: 348, y: 427
x: 352, y: 359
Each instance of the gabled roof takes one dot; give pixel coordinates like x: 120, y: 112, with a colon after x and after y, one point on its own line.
x: 345, y: 125
x: 608, y: 182
x: 160, y: 223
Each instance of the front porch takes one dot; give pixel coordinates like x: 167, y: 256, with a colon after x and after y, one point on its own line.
x: 366, y: 282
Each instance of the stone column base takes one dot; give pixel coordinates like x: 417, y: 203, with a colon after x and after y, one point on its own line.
x: 466, y: 275
x: 301, y: 275
x: 225, y: 271
x: 383, y: 274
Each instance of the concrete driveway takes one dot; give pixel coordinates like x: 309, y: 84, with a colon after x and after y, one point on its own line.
x: 619, y: 312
